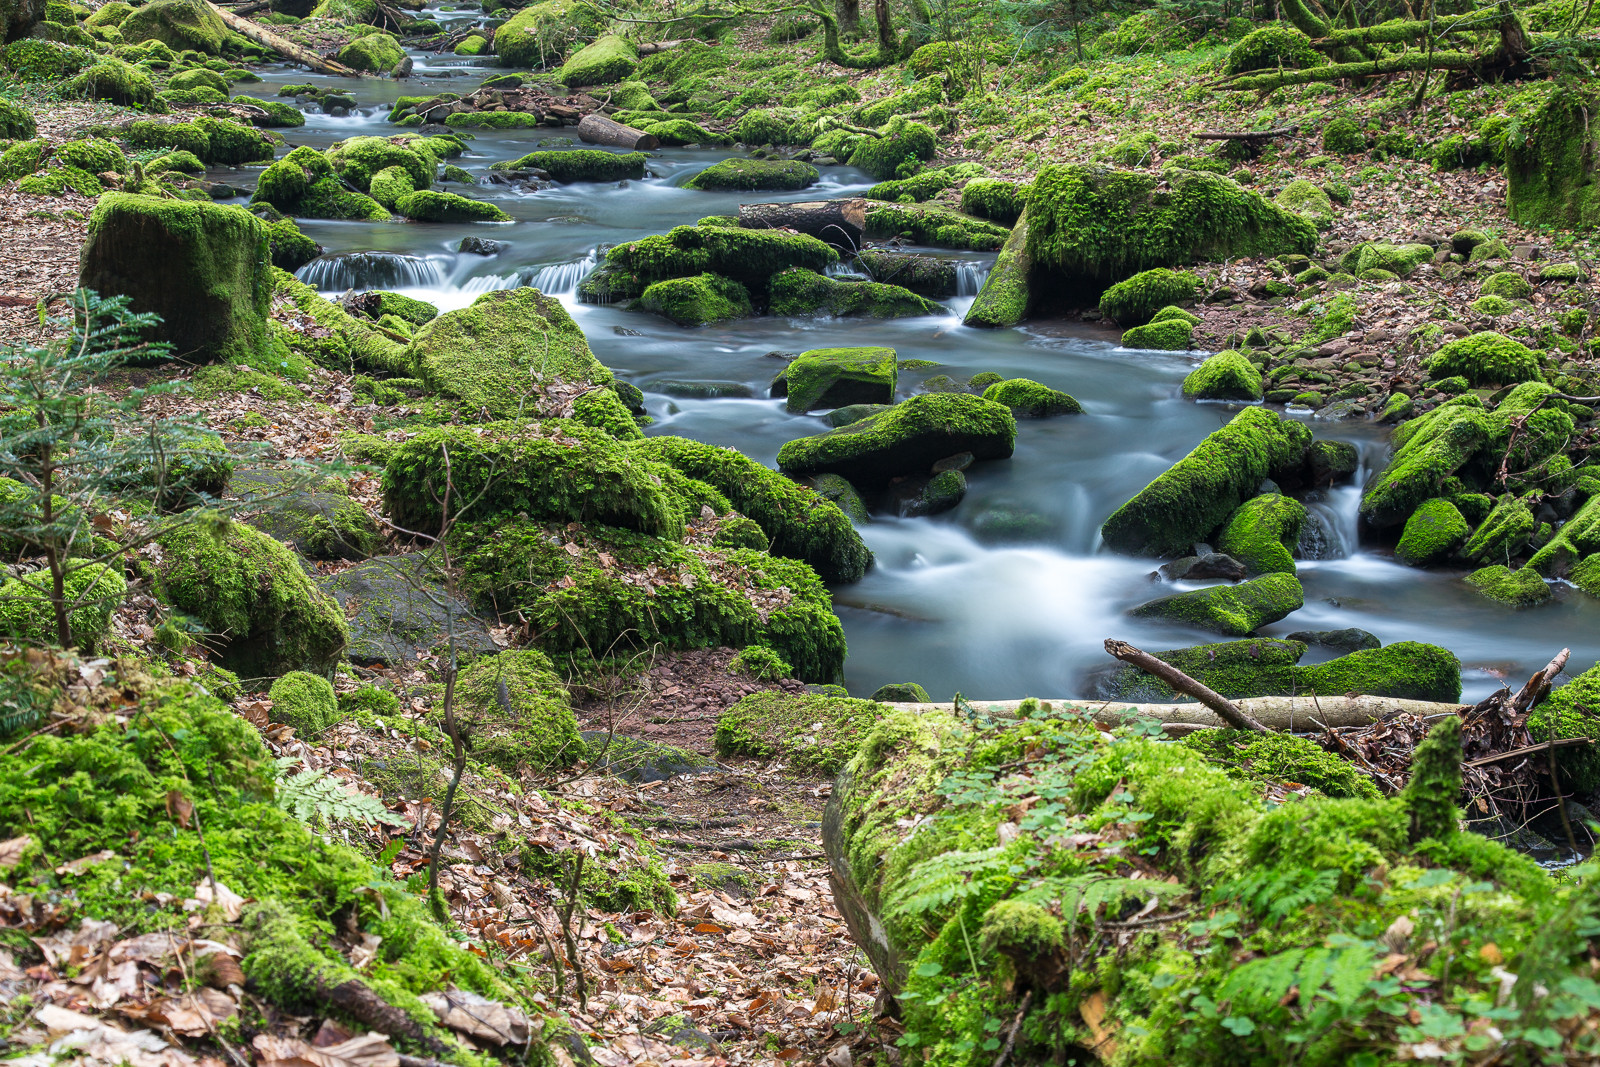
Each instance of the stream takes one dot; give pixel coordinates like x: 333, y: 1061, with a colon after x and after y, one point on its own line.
x: 946, y: 605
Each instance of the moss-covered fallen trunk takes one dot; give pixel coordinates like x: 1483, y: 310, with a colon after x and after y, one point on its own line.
x: 1040, y: 885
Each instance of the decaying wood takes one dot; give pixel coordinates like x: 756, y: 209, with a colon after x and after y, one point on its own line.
x: 650, y: 48
x: 838, y: 222
x: 1538, y: 687
x: 597, y: 129
x: 281, y: 45
x: 1225, y: 708
x: 1298, y: 714
x: 1528, y: 750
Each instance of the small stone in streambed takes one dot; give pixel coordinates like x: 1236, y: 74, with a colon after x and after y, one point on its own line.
x: 1349, y: 639
x: 480, y: 246
x: 705, y: 390
x: 626, y: 331
x: 916, y: 497
x: 958, y: 462
x: 1208, y: 565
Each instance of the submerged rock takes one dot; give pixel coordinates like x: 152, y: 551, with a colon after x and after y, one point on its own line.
x: 1197, y: 568
x: 1349, y: 639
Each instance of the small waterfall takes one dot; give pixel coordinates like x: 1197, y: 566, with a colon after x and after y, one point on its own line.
x: 561, y: 279
x: 839, y: 269
x: 371, y: 270
x: 970, y: 278
x: 1332, y: 521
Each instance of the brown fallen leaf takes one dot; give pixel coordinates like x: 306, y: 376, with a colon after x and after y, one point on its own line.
x: 83, y: 863
x: 479, y: 1017
x: 11, y: 851
x: 368, y: 1050
x: 179, y: 808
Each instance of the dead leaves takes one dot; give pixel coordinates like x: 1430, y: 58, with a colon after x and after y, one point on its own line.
x: 369, y: 1050
x: 479, y: 1017
x: 11, y: 851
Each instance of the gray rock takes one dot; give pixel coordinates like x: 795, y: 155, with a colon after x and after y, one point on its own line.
x: 480, y: 246
x: 853, y: 413
x: 920, y: 496
x: 397, y: 607
x: 1210, y: 565
x: 321, y: 521
x: 1346, y: 640
x: 636, y: 760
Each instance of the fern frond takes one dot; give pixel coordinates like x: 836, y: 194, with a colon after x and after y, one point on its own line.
x: 312, y: 796
x: 938, y: 882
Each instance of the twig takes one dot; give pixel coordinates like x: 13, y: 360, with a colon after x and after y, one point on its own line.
x: 1538, y: 687
x: 1560, y: 742
x: 572, y: 938
x: 1225, y: 708
x: 1016, y: 1024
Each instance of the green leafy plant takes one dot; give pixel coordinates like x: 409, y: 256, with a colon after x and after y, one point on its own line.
x: 314, y: 797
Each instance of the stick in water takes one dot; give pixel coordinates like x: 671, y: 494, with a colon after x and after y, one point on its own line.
x: 1226, y: 710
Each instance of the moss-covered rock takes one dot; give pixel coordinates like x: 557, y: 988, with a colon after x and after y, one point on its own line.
x: 1508, y: 284
x: 1007, y: 294
x: 1232, y: 610
x: 1572, y: 710
x: 1271, y: 47
x: 349, y: 342
x: 1485, y: 359
x: 1432, y: 534
x: 112, y: 80
x: 608, y: 60
x: 698, y: 301
x: 1274, y: 757
x: 358, y: 159
x: 1428, y: 450
x: 994, y: 199
x: 752, y: 174
x: 516, y: 715
x: 906, y: 439
x: 1308, y: 201
x: 304, y: 701
x: 179, y: 24
x: 389, y: 185
x: 202, y: 267
x: 92, y: 591
x: 1502, y: 534
x: 580, y: 164
x: 808, y: 732
x: 899, y: 150
x: 304, y: 184
x: 320, y: 524
x: 1550, y: 166
x: 1171, y: 335
x: 749, y: 257
x: 801, y: 523
x: 837, y: 377
x: 399, y: 609
x: 251, y: 592
x: 474, y: 45
x: 557, y: 471
x: 1399, y: 260
x: 431, y: 205
x: 375, y: 53
x: 541, y: 34
x: 1406, y: 669
x: 1228, y: 375
x: 16, y: 122
x: 1577, y: 539
x: 1189, y: 501
x: 1262, y: 533
x: 929, y: 224
x: 798, y: 291
x: 1514, y: 588
x: 1028, y: 399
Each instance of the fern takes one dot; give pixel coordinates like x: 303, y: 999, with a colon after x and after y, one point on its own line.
x: 313, y: 796
x: 1098, y: 897
x: 1339, y: 975
x: 938, y: 882
x: 1279, y: 894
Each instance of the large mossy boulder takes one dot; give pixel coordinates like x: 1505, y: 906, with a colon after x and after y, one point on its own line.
x: 1134, y: 301
x: 498, y: 356
x: 252, y: 593
x: 808, y: 732
x: 610, y: 59
x: 1577, y: 538
x: 1550, y: 165
x: 112, y: 80
x: 1521, y: 588
x: 1005, y: 298
x: 304, y: 184
x: 1485, y: 358
x: 836, y: 378
x: 1406, y: 669
x: 1028, y: 399
x: 799, y: 292
x: 1091, y: 227
x: 320, y: 521
x: 1503, y: 533
x: 1227, y: 375
x: 557, y: 471
x: 749, y: 175
x: 906, y: 439
x: 1428, y: 449
x: 375, y: 53
x: 1199, y: 492
x: 749, y: 257
x: 399, y: 608
x: 181, y: 25
x: 93, y: 592
x: 432, y: 205
x: 347, y: 340
x: 1432, y: 534
x: 1262, y: 533
x: 204, y: 268
x: 541, y: 34
x: 800, y: 523
x: 580, y: 164
x: 516, y: 715
x: 703, y: 300
x: 1231, y: 610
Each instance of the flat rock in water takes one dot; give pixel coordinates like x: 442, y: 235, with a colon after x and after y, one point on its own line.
x: 1349, y: 639
x: 396, y: 608
x: 1210, y: 565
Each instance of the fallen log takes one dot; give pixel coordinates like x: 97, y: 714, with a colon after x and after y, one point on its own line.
x: 281, y: 45
x: 597, y: 129
x: 1295, y: 714
x: 840, y: 223
x: 1226, y: 710
x: 1400, y: 64
x: 650, y: 48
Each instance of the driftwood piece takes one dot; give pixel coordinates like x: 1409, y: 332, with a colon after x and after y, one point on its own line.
x: 1225, y: 708
x: 1298, y: 714
x: 597, y: 129
x: 281, y: 45
x: 840, y: 223
x: 1538, y: 687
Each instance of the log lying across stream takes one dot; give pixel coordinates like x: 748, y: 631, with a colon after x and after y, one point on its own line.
x: 1295, y: 714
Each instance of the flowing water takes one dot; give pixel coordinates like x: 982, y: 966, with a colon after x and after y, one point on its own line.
x: 946, y: 605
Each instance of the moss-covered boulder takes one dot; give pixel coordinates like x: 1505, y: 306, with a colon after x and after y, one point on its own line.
x: 1092, y: 228
x: 800, y: 523
x: 1550, y: 166
x: 516, y: 715
x: 1406, y: 669
x: 399, y: 608
x: 580, y: 164
x: 899, y: 150
x: 1485, y: 359
x: 1428, y: 450
x: 929, y: 224
x: 304, y: 184
x: 807, y: 732
x: 181, y: 25
x: 1520, y: 588
x: 343, y: 339
x: 250, y: 592
x: 749, y: 257
x: 1503, y: 533
x: 1232, y: 610
x: 613, y: 590
x: 1432, y: 534
x: 304, y: 701
x: 93, y: 591
x: 498, y: 356
x: 558, y: 471
x: 1228, y: 375
x: 608, y: 60
x: 1308, y: 201
x: 541, y: 34
x: 358, y: 159
x: 431, y: 205
x: 1007, y: 294
x: 1027, y: 399
x: 836, y: 378
x: 1189, y: 501
x: 320, y: 522
x: 746, y: 175
x: 906, y: 439
x: 1572, y: 710
x: 1576, y: 539
x: 114, y: 81
x: 202, y: 267
x: 1262, y: 533
x: 16, y: 122
x: 375, y: 53
x: 798, y: 291
x: 702, y: 300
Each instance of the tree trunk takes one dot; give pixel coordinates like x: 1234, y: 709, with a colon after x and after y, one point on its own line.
x: 849, y: 12
x: 838, y: 222
x: 1298, y: 714
x: 887, y: 44
x: 284, y: 47
x: 597, y: 129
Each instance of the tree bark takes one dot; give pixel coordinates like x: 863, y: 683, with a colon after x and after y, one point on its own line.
x: 849, y: 12
x: 1299, y: 714
x: 1226, y: 709
x: 838, y: 222
x: 284, y: 47
x: 597, y: 129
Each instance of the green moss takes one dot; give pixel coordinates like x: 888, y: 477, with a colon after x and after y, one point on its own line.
x: 609, y: 59
x: 1398, y: 260
x: 925, y: 93
x: 774, y: 126
x: 837, y: 377
x: 1272, y: 46
x: 389, y: 185
x: 760, y: 663
x: 753, y: 174
x: 801, y: 523
x: 798, y: 291
x: 1577, y: 539
x: 1550, y: 162
x: 358, y: 159
x: 178, y: 24
x: 16, y: 123
x: 898, y: 151
x: 1173, y: 335
x: 1029, y: 400
x: 305, y: 702
x: 1572, y: 710
x: 809, y: 733
x: 675, y: 132
x: 1262, y: 533
x: 349, y: 342
x: 1232, y: 610
x: 749, y: 257
x: 485, y: 120
x: 603, y: 409
x: 1228, y: 375
x: 541, y: 34
x: 417, y: 312
x: 581, y: 165
x: 516, y: 715
x: 113, y: 80
x: 927, y: 224
x: 1137, y: 299
x: 57, y: 180
x: 1518, y: 589
x: 92, y: 593
x: 1308, y: 201
x: 906, y: 439
x: 1508, y: 284
x: 36, y: 59
x: 1491, y: 305
x: 251, y: 592
x: 195, y: 78
x: 21, y: 159
x: 1432, y: 534
x: 179, y: 162
x: 1007, y: 294
x: 924, y: 185
x: 994, y: 199
x: 1428, y: 450
x: 304, y: 184
x: 1405, y: 669
x: 1503, y: 534
x: 1274, y: 757
x: 1255, y: 667
x: 475, y: 45
x: 1189, y: 501
x: 1343, y: 137
x: 430, y: 205
x: 376, y: 53
x: 698, y: 301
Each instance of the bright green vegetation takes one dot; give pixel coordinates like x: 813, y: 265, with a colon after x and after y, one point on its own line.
x: 1231, y: 610
x: 304, y: 184
x: 202, y: 267
x: 898, y: 151
x: 1550, y: 165
x: 929, y: 224
x: 837, y: 377
x: 994, y: 199
x: 1270, y: 47
x: 540, y: 34
x: 901, y: 693
x: 517, y: 713
x: 94, y: 592
x: 1577, y: 539
x: 607, y: 60
x: 1573, y: 710
x: 1514, y: 588
x: 1200, y: 491
x: 760, y: 663
x: 1262, y: 533
x: 1308, y: 201
x: 431, y: 205
x: 250, y: 591
x: 179, y: 24
x: 389, y: 185
x: 924, y: 185
x: 1272, y: 757
x: 1228, y: 375
x: 16, y: 123
x: 1405, y: 669
x: 351, y: 342
x: 1006, y: 296
x: 906, y: 439
x: 580, y: 164
x: 1485, y: 359
x: 1432, y: 534
x: 304, y: 701
x: 115, y: 82
x: 697, y: 301
x: 1428, y: 449
x: 810, y: 733
x: 475, y: 45
x: 750, y: 257
x: 1502, y: 534
x: 559, y: 471
x: 801, y: 523
x: 1170, y: 335
x: 1508, y: 284
x: 1028, y: 399
x: 798, y: 291
x: 1398, y: 260
x: 753, y: 174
